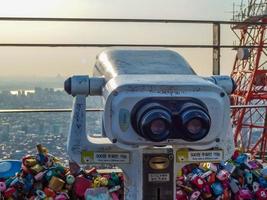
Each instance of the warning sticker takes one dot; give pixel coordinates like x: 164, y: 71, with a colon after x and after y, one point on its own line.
x: 185, y: 155
x: 105, y: 157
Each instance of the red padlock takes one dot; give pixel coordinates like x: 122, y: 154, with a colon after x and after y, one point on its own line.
x: 261, y: 194
x: 80, y: 186
x: 198, y: 182
x: 180, y: 180
x: 236, y: 154
x: 226, y: 194
x: 9, y: 192
x: 225, y: 184
x: 181, y: 195
x: 211, y: 178
x: 241, y: 180
x: 206, y: 192
x: 90, y: 171
x: 49, y: 192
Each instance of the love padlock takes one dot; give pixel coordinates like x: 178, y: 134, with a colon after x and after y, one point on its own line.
x: 261, y: 194
x: 198, y: 182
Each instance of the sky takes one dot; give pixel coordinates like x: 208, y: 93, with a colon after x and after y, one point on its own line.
x: 47, y: 61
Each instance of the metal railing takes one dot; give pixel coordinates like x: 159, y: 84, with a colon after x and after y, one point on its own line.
x: 65, y: 110
x: 46, y: 110
x: 216, y: 43
x: 127, y: 20
x: 118, y: 20
x: 138, y: 20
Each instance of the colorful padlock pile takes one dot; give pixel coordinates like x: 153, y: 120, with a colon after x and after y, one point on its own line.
x: 43, y: 177
x: 239, y: 179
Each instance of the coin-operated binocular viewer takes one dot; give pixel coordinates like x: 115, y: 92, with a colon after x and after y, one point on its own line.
x: 158, y: 114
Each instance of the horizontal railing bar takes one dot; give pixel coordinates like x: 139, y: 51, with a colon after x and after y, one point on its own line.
x: 40, y: 110
x: 248, y: 106
x: 68, y: 19
x: 126, y: 45
x: 44, y: 110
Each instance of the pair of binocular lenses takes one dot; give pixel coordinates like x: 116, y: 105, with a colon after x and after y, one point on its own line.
x: 157, y: 123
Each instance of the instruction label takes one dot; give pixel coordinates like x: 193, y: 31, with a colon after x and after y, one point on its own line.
x: 159, y: 177
x: 185, y: 155
x: 105, y: 157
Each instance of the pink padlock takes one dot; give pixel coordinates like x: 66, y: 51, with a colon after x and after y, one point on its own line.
x: 244, y: 194
x: 223, y: 175
x: 194, y: 195
x: 114, y: 196
x: 61, y: 196
x: 39, y: 176
x: 2, y: 186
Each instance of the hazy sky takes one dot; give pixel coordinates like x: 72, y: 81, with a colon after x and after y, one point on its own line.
x: 32, y: 61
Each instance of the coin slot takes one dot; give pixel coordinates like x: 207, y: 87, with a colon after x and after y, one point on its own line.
x: 159, y: 163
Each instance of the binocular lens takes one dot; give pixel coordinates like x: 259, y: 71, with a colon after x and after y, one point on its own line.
x: 194, y: 126
x: 158, y: 126
x: 195, y: 122
x: 157, y: 122
x: 154, y: 124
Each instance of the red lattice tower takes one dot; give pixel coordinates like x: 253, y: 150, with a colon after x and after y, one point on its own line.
x: 250, y: 75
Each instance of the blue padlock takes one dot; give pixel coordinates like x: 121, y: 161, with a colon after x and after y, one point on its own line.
x: 264, y: 172
x: 27, y: 186
x: 9, y: 168
x: 28, y: 182
x: 197, y: 171
x: 41, y: 158
x: 241, y: 159
x: 262, y: 182
x: 228, y: 166
x: 217, y: 188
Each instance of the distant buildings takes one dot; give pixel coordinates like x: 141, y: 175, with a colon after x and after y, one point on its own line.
x: 4, y: 131
x: 20, y: 132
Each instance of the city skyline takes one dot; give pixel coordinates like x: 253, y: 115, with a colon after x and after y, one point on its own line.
x: 20, y: 132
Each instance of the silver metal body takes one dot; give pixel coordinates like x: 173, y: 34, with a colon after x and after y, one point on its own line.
x: 123, y: 92
x: 126, y: 76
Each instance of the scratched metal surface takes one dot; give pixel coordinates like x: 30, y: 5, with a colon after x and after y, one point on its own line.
x: 120, y: 61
